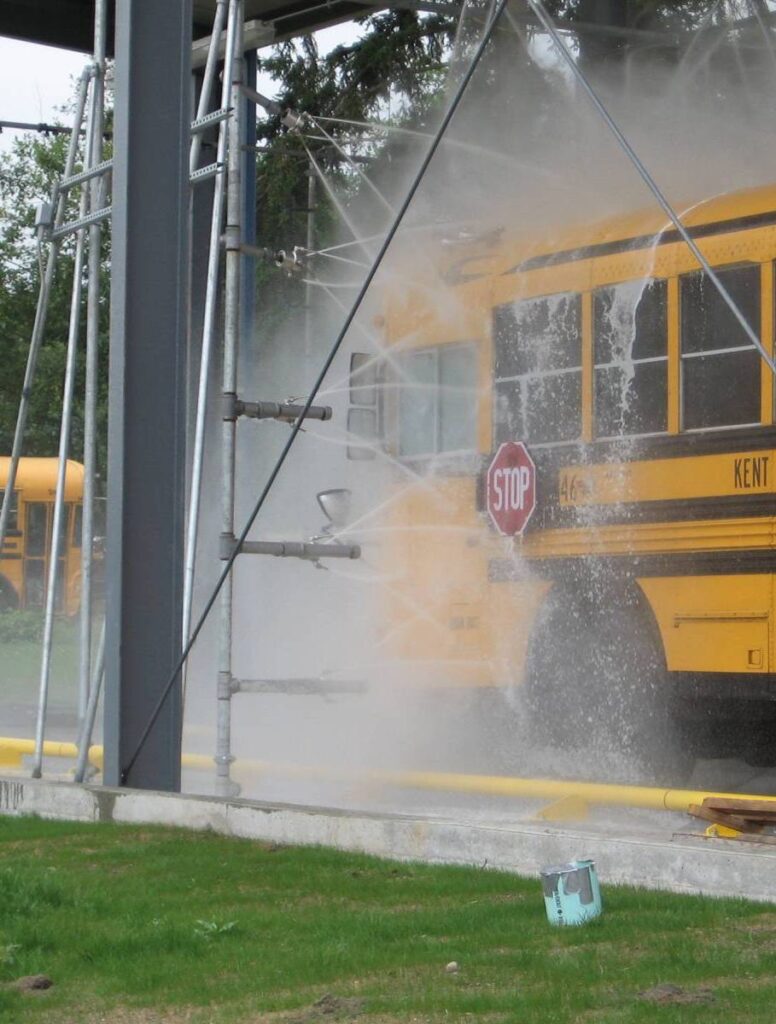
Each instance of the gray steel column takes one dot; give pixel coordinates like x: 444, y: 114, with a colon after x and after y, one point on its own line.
x: 146, y: 432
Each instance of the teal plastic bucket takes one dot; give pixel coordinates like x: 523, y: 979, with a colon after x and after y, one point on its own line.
x: 572, y: 895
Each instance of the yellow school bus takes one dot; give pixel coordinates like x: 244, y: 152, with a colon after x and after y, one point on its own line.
x: 26, y: 554
x: 642, y: 589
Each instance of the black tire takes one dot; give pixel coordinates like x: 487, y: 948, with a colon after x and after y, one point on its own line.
x: 9, y: 599
x: 597, y: 688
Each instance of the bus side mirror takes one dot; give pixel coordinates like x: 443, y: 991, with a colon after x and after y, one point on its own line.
x: 362, y: 434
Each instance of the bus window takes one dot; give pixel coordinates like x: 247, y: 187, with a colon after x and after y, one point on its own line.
x: 437, y: 406
x: 77, y: 520
x: 720, y: 366
x: 630, y: 338
x: 538, y: 369
x: 13, y: 511
x: 37, y: 519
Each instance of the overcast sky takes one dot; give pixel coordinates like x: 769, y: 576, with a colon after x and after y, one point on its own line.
x: 35, y: 81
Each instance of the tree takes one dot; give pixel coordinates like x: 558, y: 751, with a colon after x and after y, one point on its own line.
x: 27, y: 175
x: 396, y: 68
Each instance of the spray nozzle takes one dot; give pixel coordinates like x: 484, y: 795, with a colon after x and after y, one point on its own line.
x: 293, y: 262
x: 292, y: 120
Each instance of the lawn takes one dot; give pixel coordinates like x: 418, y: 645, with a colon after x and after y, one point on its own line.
x: 20, y: 641
x: 141, y: 925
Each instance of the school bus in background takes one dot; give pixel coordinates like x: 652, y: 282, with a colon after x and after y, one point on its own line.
x: 26, y: 553
x: 642, y: 592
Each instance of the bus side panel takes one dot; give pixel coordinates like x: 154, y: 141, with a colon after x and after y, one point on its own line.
x: 11, y: 570
x: 714, y: 623
x: 511, y: 616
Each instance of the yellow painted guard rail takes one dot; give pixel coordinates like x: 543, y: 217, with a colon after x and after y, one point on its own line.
x: 12, y: 751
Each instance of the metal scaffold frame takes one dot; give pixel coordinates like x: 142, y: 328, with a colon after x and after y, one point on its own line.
x: 231, y: 246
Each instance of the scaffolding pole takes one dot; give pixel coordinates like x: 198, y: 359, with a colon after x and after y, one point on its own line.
x: 57, y: 529
x: 58, y: 202
x: 210, y: 314
x: 97, y: 199
x: 308, y: 288
x: 233, y: 237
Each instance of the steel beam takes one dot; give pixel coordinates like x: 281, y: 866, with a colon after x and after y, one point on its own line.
x: 146, y: 433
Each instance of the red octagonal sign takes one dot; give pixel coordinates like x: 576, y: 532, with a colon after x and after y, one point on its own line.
x: 511, y: 488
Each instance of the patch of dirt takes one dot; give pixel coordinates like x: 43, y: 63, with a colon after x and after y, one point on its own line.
x: 761, y: 923
x: 330, y: 1008
x: 671, y: 995
x: 125, y: 1015
x: 32, y: 983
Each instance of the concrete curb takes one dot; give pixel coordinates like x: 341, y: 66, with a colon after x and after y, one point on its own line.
x: 680, y: 864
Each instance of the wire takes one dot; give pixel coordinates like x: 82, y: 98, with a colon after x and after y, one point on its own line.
x: 396, y: 223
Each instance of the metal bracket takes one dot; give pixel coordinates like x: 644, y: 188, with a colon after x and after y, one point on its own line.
x: 83, y: 222
x: 201, y: 124
x: 229, y: 406
x: 227, y: 685
x: 232, y: 238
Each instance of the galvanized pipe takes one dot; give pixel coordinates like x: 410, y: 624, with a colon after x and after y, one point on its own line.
x: 297, y: 549
x: 87, y: 725
x: 308, y: 288
x: 210, y: 319
x: 92, y: 358
x: 64, y: 447
x: 223, y: 756
x: 41, y: 312
x: 289, y: 412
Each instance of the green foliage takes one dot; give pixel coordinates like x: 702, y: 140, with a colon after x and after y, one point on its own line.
x: 27, y: 175
x: 394, y: 72
x: 17, y: 626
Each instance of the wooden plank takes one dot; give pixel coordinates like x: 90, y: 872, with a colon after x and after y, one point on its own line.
x: 720, y: 818
x: 764, y: 810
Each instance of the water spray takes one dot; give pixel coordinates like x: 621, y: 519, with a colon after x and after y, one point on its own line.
x: 295, y: 430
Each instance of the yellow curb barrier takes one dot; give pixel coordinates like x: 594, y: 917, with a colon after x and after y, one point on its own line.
x: 12, y: 751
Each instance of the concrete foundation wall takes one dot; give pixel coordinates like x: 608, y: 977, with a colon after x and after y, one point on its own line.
x: 680, y: 864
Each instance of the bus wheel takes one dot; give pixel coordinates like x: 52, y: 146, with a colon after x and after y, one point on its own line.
x: 597, y: 688
x: 8, y: 597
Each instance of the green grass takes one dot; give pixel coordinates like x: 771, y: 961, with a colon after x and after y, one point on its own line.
x: 139, y: 925
x: 21, y: 653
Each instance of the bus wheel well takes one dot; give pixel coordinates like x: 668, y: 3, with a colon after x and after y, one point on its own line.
x: 596, y: 678
x: 9, y: 598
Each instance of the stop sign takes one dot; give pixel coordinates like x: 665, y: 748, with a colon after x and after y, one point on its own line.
x: 511, y: 488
